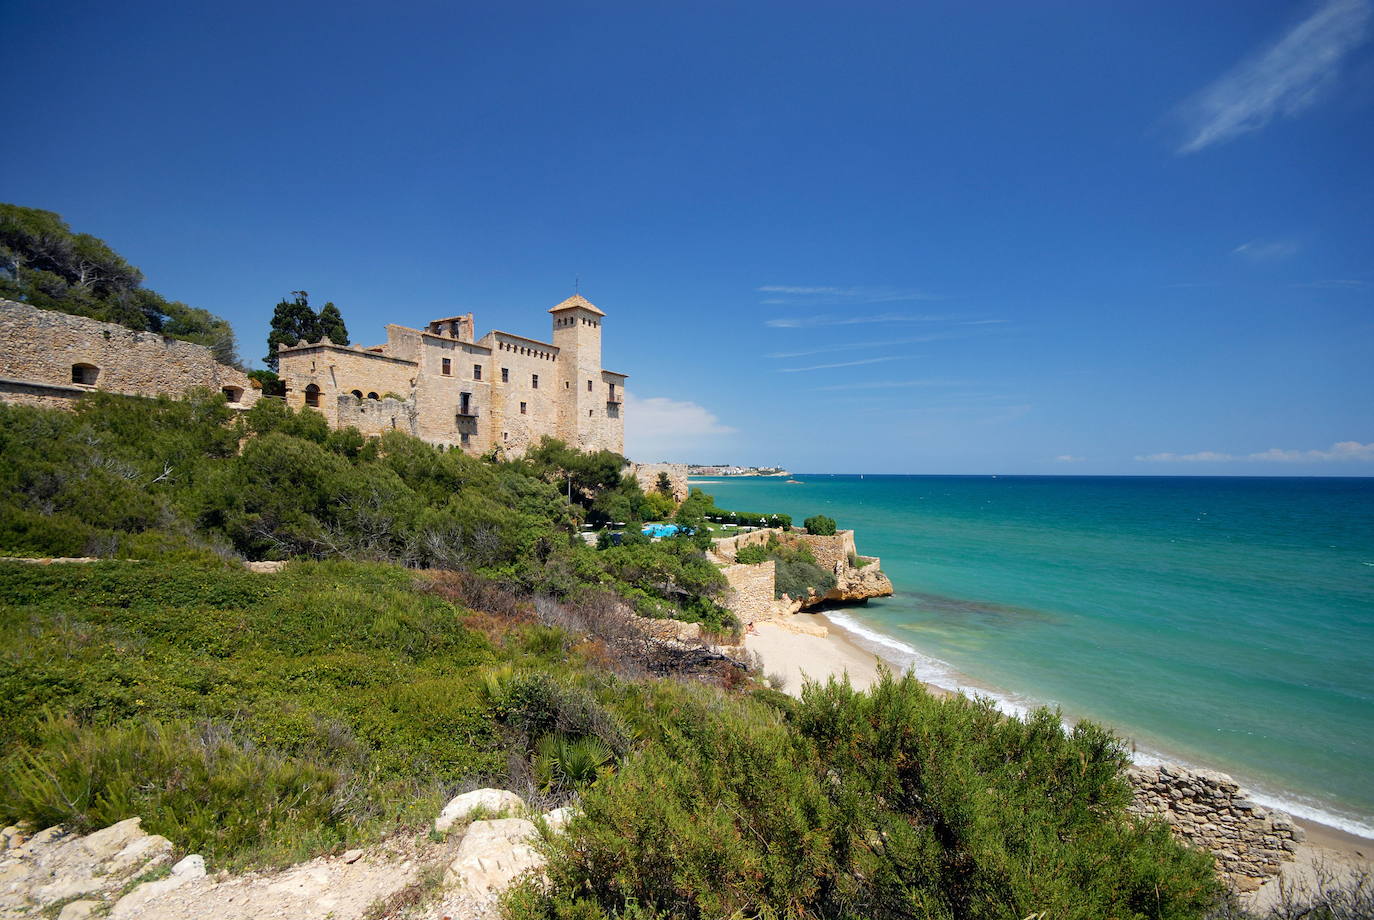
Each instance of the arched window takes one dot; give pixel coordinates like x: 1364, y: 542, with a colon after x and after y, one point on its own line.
x: 312, y: 396
x: 373, y: 396
x: 85, y: 374
x: 357, y: 394
x: 233, y: 394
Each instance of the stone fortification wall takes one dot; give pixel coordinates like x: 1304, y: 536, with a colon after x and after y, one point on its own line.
x: 646, y: 474
x: 514, y: 365
x: 1209, y: 810
x: 750, y: 595
x: 43, y: 350
x: 724, y: 549
x: 504, y: 392
x: 377, y: 416
x: 831, y: 552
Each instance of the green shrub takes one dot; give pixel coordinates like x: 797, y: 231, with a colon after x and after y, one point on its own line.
x: 887, y: 804
x: 198, y: 785
x: 752, y: 555
x: 820, y: 525
x: 136, y: 687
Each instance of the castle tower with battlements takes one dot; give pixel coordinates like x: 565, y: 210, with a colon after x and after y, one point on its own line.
x: 441, y: 384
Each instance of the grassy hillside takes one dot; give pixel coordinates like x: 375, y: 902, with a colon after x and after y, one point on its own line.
x: 441, y: 627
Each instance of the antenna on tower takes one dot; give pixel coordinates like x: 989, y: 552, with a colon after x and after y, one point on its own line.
x: 577, y: 284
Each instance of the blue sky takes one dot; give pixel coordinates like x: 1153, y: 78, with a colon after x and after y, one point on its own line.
x: 937, y: 238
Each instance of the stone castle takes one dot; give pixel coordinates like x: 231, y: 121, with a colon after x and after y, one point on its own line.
x: 501, y: 392
x: 49, y: 359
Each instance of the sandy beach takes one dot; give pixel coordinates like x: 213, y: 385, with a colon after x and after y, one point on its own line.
x: 797, y: 652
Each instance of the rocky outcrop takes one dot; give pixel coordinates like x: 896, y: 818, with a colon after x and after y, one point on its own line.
x: 1209, y: 810
x: 55, y: 867
x: 854, y: 584
x: 485, y: 802
x: 492, y: 855
x: 122, y: 873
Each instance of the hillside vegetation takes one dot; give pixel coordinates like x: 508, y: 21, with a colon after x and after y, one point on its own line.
x: 443, y: 627
x: 134, y: 478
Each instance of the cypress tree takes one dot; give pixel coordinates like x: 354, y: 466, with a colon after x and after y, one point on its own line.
x: 293, y: 322
x: 332, y: 324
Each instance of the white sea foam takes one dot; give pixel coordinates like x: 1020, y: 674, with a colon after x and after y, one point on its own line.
x: 941, y: 674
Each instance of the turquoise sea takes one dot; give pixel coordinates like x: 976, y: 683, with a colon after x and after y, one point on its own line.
x: 1226, y: 623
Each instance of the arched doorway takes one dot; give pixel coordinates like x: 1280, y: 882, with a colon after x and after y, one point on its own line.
x: 312, y: 396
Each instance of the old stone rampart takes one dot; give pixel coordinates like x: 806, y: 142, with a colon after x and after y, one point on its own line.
x: 378, y: 416
x: 646, y: 474
x: 50, y: 359
x: 751, y: 594
x: 830, y: 551
x: 1209, y: 810
x: 833, y: 553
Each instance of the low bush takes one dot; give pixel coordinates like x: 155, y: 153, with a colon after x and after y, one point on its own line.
x: 752, y: 555
x: 820, y: 525
x: 888, y: 804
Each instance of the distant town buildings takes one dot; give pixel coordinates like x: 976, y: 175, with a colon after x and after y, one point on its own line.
x: 727, y: 470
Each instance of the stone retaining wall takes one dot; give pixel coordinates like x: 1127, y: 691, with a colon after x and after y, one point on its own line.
x: 646, y: 474
x: 750, y: 596
x: 1208, y: 810
x: 43, y: 348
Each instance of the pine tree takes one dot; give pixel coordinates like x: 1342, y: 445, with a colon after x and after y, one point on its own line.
x: 292, y: 322
x: 332, y: 324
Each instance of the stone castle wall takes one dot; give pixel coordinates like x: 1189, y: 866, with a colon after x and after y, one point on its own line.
x: 504, y: 392
x: 831, y: 552
x: 646, y: 474
x: 1208, y: 810
x: 750, y: 595
x: 42, y: 347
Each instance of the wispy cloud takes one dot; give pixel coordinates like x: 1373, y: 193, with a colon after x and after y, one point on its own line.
x: 891, y: 385
x: 798, y: 289
x: 856, y: 346
x: 835, y: 319
x: 1069, y: 458
x: 1280, y: 81
x: 1334, y: 284
x: 669, y: 428
x: 824, y: 367
x: 827, y: 294
x: 1266, y: 250
x: 1341, y: 451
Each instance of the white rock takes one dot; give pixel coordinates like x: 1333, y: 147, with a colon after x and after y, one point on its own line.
x: 492, y: 801
x: 78, y: 910
x: 351, y: 856
x: 192, y: 866
x: 104, y: 843
x: 556, y: 819
x: 492, y: 854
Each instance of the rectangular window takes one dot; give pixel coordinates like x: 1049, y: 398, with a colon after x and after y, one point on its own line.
x: 522, y: 409
x: 448, y: 367
x: 462, y: 435
x: 477, y: 372
x: 534, y: 381
x: 589, y: 386
x: 505, y: 375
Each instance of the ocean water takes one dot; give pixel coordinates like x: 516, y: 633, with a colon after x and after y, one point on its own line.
x: 1225, y: 623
